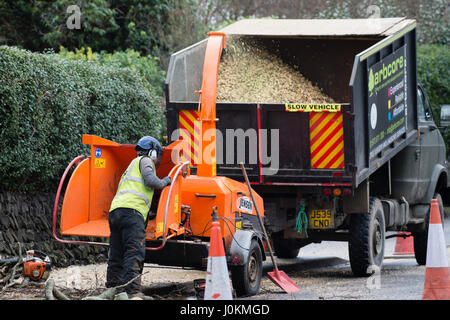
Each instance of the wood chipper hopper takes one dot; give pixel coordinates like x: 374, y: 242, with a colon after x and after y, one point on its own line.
x: 179, y: 234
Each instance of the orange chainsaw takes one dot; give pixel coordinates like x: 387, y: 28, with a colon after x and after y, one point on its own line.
x: 35, y: 264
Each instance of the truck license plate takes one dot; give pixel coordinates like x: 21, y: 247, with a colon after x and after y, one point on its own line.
x: 321, y: 219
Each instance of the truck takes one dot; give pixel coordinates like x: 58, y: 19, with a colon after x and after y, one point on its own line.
x: 351, y: 170
x: 347, y: 171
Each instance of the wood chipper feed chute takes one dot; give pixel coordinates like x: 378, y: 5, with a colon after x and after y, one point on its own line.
x: 94, y: 182
x: 92, y: 187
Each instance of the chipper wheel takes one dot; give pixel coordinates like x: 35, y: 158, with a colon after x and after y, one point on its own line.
x: 366, y: 239
x: 246, y: 279
x: 285, y: 248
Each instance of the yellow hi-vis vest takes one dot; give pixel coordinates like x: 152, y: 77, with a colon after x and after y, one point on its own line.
x: 132, y: 193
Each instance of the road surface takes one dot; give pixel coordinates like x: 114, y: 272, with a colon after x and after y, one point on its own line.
x: 322, y: 271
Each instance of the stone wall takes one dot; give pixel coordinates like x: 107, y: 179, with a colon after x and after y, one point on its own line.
x: 28, y: 219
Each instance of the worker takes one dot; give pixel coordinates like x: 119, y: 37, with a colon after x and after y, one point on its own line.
x: 129, y: 214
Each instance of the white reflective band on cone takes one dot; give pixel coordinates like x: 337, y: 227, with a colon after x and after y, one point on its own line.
x: 436, y: 251
x: 217, y: 286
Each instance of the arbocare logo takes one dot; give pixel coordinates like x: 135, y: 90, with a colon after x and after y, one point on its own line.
x: 384, y: 73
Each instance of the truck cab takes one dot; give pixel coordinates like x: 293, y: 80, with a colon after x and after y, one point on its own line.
x: 432, y: 154
x: 426, y: 159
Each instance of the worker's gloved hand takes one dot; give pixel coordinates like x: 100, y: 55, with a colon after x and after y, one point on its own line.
x: 167, y: 180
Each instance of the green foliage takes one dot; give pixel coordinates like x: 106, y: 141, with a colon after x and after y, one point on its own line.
x: 156, y: 27
x: 161, y: 27
x: 98, y: 25
x: 40, y: 24
x: 48, y: 102
x: 147, y: 66
x: 433, y: 65
x: 431, y: 15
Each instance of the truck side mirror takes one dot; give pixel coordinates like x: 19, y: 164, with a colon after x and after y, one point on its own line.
x: 445, y: 115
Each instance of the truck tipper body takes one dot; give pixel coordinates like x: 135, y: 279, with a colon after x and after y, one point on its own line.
x: 350, y: 170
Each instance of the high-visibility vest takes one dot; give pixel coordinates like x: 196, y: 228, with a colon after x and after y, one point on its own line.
x: 132, y: 193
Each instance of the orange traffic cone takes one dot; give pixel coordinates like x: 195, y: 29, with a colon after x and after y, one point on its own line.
x: 404, y: 245
x: 437, y: 272
x: 217, y: 285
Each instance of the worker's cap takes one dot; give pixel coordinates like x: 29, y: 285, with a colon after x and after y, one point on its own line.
x: 148, y: 143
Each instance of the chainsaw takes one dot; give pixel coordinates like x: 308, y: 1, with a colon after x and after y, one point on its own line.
x: 35, y: 264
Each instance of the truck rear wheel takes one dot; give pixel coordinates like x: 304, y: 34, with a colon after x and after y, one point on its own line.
x: 246, y: 279
x: 421, y: 237
x: 366, y: 239
x: 285, y: 248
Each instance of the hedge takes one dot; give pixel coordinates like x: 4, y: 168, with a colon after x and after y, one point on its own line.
x: 147, y: 66
x: 47, y: 103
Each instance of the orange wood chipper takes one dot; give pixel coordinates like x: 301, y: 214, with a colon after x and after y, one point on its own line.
x: 179, y: 234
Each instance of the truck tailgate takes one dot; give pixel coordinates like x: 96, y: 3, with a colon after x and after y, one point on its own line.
x: 302, y: 143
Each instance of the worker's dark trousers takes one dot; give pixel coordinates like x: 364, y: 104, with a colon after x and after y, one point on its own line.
x: 126, y: 250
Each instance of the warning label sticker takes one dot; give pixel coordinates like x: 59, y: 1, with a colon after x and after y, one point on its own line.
x: 295, y: 107
x: 100, y: 163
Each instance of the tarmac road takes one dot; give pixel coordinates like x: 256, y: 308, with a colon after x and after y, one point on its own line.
x: 322, y: 271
